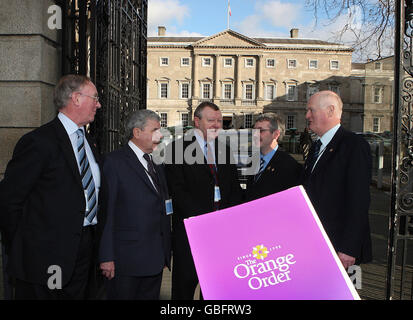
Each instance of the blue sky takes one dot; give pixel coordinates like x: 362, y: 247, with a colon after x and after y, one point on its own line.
x: 258, y: 18
x: 270, y: 18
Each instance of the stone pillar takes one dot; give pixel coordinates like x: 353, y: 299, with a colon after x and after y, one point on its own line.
x: 29, y: 69
x: 195, y: 82
x: 217, y: 92
x: 238, y: 84
x: 259, y: 86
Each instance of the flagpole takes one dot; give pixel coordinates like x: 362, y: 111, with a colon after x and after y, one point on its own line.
x: 228, y: 16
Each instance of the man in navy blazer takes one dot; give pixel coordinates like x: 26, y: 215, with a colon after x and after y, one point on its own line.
x: 278, y: 171
x: 337, y: 176
x: 136, y: 246
x: 48, y: 226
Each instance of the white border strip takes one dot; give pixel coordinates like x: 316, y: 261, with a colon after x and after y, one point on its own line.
x: 330, y: 246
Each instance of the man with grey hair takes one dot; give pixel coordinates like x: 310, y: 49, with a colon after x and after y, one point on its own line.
x: 337, y: 176
x: 278, y: 171
x: 135, y: 246
x: 50, y: 199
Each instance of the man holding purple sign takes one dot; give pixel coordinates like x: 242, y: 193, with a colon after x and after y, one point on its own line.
x: 337, y: 179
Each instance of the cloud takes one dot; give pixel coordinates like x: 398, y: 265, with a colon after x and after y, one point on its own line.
x: 270, y: 14
x: 279, y: 14
x: 349, y: 29
x: 165, y: 13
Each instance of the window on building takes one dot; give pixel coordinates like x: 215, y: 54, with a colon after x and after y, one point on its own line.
x: 313, y: 64
x: 376, y: 124
x: 164, y: 61
x: 228, y: 62
x: 249, y: 62
x: 290, y: 121
x: 248, y: 92
x: 377, y: 94
x: 206, y: 62
x: 185, y: 119
x: 163, y: 90
x: 377, y: 66
x: 269, y: 91
x: 227, y: 94
x: 291, y: 92
x: 184, y: 62
x: 311, y: 90
x: 334, y: 65
x: 184, y: 90
x: 164, y: 119
x: 206, y: 91
x: 248, y: 120
x: 270, y: 63
x: 292, y: 63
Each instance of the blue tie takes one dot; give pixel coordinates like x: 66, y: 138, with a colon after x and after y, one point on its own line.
x: 314, y: 155
x: 87, y: 178
x: 262, y: 162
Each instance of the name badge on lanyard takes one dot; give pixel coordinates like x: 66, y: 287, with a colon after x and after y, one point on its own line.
x: 168, y: 207
x: 217, y: 194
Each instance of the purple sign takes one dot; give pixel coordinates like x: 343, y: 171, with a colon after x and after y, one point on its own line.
x: 271, y: 248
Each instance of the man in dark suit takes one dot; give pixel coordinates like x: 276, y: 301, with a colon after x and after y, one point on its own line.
x: 136, y: 245
x: 337, y: 179
x: 50, y: 198
x: 201, y: 180
x: 278, y: 171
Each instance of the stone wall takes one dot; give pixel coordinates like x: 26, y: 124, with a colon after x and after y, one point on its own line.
x: 30, y: 55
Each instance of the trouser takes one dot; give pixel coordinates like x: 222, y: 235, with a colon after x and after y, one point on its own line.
x: 134, y: 288
x: 76, y: 288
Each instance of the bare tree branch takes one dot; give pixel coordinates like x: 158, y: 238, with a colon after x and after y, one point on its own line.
x: 366, y: 25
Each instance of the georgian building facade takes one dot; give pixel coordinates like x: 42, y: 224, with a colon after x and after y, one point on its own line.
x: 246, y: 76
x: 377, y: 78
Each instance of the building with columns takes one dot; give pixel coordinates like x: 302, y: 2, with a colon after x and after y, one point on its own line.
x: 245, y: 76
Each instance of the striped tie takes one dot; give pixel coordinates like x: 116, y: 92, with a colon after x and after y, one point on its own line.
x: 262, y: 162
x: 313, y: 155
x: 87, y: 178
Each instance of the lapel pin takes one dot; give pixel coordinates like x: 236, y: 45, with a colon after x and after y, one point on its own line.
x: 331, y: 150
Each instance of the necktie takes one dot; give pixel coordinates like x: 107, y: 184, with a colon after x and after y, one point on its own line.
x: 262, y: 162
x: 211, y: 162
x: 87, y: 177
x: 314, y: 155
x: 152, y: 173
x: 210, y: 155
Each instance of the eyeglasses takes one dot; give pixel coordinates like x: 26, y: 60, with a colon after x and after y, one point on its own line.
x: 96, y: 98
x: 263, y: 130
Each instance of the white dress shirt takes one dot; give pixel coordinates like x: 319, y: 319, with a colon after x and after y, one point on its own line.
x: 71, y: 129
x: 139, y: 154
x: 325, y: 140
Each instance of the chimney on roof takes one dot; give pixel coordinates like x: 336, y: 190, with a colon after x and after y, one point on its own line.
x: 161, y: 31
x: 294, y: 33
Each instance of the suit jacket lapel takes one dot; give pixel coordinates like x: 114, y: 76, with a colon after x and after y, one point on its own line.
x: 92, y: 145
x: 66, y: 146
x: 329, y: 150
x: 137, y: 166
x: 198, y: 151
x: 270, y: 167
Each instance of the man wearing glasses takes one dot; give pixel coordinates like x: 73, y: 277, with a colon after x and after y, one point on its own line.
x: 278, y: 171
x: 50, y: 199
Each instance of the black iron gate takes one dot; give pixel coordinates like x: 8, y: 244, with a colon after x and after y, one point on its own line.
x: 399, y: 281
x: 106, y: 40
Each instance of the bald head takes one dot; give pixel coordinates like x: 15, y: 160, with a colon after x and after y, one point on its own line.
x: 324, y: 111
